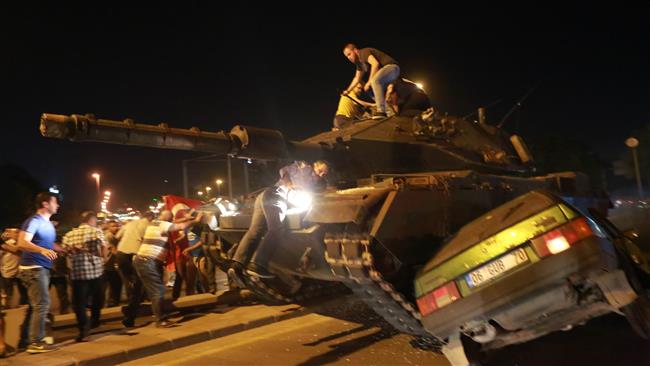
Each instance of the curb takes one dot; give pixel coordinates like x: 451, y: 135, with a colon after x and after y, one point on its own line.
x: 148, y: 340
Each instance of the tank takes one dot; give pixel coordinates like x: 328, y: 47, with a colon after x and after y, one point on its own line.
x: 401, y: 187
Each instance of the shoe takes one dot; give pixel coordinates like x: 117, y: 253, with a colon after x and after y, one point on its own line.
x: 82, y: 338
x: 379, y: 115
x: 258, y: 271
x: 41, y: 347
x: 235, y: 273
x: 8, y: 352
x: 128, y: 323
x: 164, y: 324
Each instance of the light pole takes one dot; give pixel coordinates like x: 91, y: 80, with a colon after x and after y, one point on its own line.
x: 633, y: 143
x: 219, y: 182
x: 97, y: 178
x: 207, y: 191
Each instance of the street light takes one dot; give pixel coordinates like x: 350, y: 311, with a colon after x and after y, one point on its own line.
x: 219, y: 182
x: 633, y: 143
x: 97, y: 178
x: 200, y: 193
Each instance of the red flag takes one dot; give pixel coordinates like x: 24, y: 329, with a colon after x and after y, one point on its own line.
x: 171, y: 201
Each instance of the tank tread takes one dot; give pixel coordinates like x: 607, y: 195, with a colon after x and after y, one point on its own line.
x: 351, y: 260
x: 310, y: 290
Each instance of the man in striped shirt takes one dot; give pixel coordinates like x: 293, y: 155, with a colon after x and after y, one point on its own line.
x: 87, y: 249
x: 150, y: 259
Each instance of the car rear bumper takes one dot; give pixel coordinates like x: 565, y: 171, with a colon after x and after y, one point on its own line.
x: 590, y: 258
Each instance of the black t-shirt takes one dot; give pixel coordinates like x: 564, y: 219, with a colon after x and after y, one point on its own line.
x: 383, y: 58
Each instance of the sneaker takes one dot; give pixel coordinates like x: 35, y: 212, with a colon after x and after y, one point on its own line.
x: 379, y: 115
x: 164, y: 324
x: 258, y: 271
x: 82, y: 338
x: 128, y: 323
x: 8, y: 352
x: 41, y: 347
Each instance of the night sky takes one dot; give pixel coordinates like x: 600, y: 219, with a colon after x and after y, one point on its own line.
x: 214, y: 67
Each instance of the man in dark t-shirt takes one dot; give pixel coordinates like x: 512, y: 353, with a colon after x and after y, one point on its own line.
x: 380, y: 68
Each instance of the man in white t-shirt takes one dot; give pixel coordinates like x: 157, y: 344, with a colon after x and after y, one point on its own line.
x: 150, y: 259
x: 130, y: 238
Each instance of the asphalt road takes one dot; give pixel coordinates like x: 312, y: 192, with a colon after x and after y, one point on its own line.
x: 351, y: 334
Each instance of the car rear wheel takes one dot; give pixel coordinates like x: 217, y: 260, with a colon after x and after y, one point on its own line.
x: 637, y: 312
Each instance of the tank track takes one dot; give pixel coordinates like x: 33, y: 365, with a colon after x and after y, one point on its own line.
x: 310, y: 290
x: 351, y: 260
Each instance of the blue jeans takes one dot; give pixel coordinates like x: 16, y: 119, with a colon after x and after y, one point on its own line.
x: 379, y: 83
x: 37, y: 282
x: 151, y: 273
x: 266, y: 227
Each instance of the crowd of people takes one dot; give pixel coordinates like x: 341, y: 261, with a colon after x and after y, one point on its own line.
x: 99, y: 264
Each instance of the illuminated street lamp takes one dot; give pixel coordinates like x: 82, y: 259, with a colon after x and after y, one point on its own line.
x: 97, y: 179
x: 219, y: 182
x: 200, y: 193
x: 633, y: 143
x: 207, y: 191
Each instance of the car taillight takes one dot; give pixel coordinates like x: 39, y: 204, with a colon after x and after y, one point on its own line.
x: 442, y: 296
x: 561, y: 239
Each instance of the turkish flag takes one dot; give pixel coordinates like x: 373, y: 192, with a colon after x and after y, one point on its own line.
x: 178, y: 205
x: 171, y: 201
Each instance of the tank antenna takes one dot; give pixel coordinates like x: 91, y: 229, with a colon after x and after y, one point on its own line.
x: 516, y: 106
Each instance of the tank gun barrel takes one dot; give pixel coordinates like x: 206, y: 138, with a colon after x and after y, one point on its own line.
x: 241, y: 141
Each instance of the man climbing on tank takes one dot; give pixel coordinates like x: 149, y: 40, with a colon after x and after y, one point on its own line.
x: 267, y: 224
x: 406, y: 98
x: 382, y: 70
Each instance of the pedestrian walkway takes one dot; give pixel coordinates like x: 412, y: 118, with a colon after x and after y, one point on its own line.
x: 119, y: 345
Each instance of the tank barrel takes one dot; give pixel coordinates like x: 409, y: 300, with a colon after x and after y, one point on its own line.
x: 87, y: 128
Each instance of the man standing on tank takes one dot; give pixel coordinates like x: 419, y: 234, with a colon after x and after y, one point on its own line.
x: 381, y: 68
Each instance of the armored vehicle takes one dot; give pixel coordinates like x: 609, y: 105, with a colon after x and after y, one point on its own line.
x: 400, y: 202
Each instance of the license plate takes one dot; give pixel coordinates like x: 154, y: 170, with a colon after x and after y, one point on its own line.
x: 496, y: 268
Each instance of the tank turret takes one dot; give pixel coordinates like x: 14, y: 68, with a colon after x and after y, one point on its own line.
x: 393, y: 145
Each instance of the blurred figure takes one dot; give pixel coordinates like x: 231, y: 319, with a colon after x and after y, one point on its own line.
x: 87, y: 249
x: 351, y: 108
x: 406, y: 98
x: 179, y: 245
x: 194, y: 253
x: 111, y: 278
x: 36, y: 242
x: 9, y: 261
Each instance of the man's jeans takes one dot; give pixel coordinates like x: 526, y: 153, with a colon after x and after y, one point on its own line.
x: 132, y: 284
x: 151, y: 273
x: 379, y: 83
x: 82, y: 290
x: 266, y: 226
x: 37, y: 282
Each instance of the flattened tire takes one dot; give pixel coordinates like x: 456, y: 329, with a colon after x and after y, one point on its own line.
x: 637, y: 313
